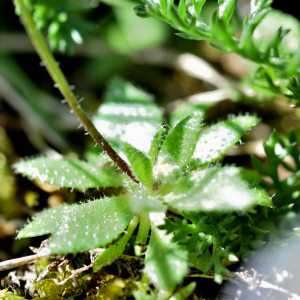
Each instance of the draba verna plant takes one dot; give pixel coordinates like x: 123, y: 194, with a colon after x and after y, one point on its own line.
x: 173, y: 199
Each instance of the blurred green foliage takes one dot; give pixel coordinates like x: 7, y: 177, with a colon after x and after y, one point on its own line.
x: 7, y: 180
x: 216, y: 215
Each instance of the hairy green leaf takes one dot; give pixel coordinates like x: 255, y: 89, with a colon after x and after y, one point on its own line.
x: 128, y: 115
x: 260, y: 196
x: 140, y: 164
x: 165, y: 262
x: 91, y: 225
x: 215, y: 140
x: 180, y: 143
x: 185, y: 110
x: 144, y: 201
x: 46, y: 222
x: 80, y: 227
x: 156, y: 144
x: 213, y: 189
x: 68, y: 173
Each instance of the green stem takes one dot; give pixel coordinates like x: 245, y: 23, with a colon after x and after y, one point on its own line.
x: 59, y: 78
x: 144, y: 228
x: 116, y: 250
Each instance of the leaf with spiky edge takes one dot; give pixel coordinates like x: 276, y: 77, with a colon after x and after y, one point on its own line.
x: 128, y: 115
x: 228, y: 233
x: 185, y: 109
x: 191, y: 238
x: 210, y: 229
x: 140, y: 164
x: 68, y: 173
x: 157, y: 143
x: 186, y: 17
x: 215, y: 140
x: 180, y: 143
x: 259, y: 10
x: 46, y: 222
x: 165, y: 262
x: 81, y: 227
x: 284, y: 189
x: 260, y: 196
x: 90, y: 225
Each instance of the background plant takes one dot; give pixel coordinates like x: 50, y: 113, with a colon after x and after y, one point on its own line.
x: 175, y: 167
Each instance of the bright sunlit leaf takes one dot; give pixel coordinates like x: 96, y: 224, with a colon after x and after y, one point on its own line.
x: 212, y: 189
x: 215, y: 140
x: 128, y: 115
x: 185, y: 110
x: 145, y: 201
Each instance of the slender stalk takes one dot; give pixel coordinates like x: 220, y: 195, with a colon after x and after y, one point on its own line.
x: 17, y: 262
x: 113, y: 252
x: 144, y: 228
x: 59, y: 78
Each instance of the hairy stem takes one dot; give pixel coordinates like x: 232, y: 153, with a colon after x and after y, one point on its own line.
x: 59, y: 78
